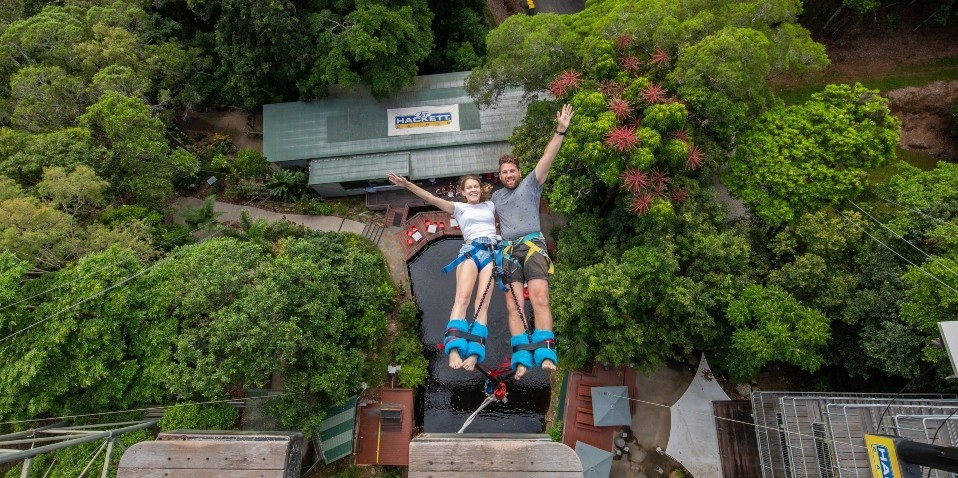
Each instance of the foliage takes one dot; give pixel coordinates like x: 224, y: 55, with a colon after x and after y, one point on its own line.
x: 408, y: 314
x: 203, y: 217
x: 555, y: 431
x: 287, y: 184
x: 314, y: 206
x: 771, y: 325
x: 409, y: 354
x: 801, y: 158
x: 459, y: 34
x: 214, y: 416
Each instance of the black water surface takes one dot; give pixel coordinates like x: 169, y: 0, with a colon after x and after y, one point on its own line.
x: 452, y: 395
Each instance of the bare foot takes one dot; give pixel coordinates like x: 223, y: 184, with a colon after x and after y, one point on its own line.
x: 455, y: 361
x: 470, y: 363
x: 548, y: 365
x: 520, y: 371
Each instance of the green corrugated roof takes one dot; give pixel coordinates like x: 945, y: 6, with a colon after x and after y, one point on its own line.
x: 354, y: 123
x: 335, y: 434
x: 354, y: 168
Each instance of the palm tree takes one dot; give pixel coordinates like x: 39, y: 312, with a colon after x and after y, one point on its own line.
x: 203, y: 217
x: 287, y: 184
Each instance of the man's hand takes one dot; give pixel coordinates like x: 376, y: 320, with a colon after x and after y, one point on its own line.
x: 564, y: 117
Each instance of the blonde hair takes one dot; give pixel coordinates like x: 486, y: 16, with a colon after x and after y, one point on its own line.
x: 485, y: 190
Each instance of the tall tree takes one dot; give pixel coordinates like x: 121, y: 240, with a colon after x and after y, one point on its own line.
x: 801, y: 158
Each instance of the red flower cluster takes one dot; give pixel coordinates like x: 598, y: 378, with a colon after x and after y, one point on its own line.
x: 695, y: 158
x: 622, y: 138
x: 635, y: 180
x: 659, y: 57
x: 621, y: 108
x: 610, y: 88
x: 630, y: 63
x: 623, y: 42
x: 654, y: 93
x: 680, y: 195
x: 660, y: 181
x: 641, y: 203
x: 681, y: 135
x: 565, y: 82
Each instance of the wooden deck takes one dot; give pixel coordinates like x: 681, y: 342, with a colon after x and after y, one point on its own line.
x: 386, y: 442
x: 577, y: 417
x: 420, y: 224
x: 435, y: 455
x: 738, y: 447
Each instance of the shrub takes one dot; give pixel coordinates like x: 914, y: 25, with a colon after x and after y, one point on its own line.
x: 250, y: 163
x: 415, y: 367
x: 555, y: 431
x: 216, y: 416
x: 408, y: 314
x: 314, y: 206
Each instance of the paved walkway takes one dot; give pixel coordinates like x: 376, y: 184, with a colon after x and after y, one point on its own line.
x: 693, y: 440
x: 389, y: 246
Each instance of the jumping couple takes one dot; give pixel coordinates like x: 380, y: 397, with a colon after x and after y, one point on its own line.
x: 524, y: 259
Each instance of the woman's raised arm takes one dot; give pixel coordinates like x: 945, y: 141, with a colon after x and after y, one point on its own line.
x: 446, y: 206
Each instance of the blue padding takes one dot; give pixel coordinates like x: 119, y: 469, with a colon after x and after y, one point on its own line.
x: 542, y: 354
x: 457, y: 343
x: 467, y: 348
x: 475, y: 348
x: 522, y: 357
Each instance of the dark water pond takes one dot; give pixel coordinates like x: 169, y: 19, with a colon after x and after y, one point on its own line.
x: 452, y: 395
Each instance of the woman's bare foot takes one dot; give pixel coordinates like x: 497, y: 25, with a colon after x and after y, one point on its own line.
x: 455, y: 361
x: 520, y: 371
x: 548, y: 365
x: 470, y: 363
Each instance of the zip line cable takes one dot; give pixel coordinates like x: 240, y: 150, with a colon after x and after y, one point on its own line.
x: 929, y: 274
x: 775, y: 429
x: 102, y: 291
x: 170, y: 241
x: 906, y: 241
x: 926, y: 216
x: 162, y: 407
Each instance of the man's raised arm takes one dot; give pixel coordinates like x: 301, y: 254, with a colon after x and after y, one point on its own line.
x: 563, y: 118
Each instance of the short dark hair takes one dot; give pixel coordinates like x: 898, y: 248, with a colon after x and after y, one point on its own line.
x: 508, y: 158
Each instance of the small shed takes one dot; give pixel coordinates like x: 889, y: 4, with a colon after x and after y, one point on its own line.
x: 491, y: 454
x: 215, y: 454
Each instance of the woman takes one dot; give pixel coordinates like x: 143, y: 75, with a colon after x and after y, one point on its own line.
x: 465, y: 341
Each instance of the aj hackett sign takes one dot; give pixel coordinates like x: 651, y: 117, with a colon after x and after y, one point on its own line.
x: 423, y: 119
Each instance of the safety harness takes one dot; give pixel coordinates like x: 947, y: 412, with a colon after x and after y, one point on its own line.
x: 529, y: 240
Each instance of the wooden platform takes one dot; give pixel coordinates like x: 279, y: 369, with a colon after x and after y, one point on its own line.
x: 577, y: 420
x: 418, y: 223
x: 438, y: 455
x: 205, y: 454
x: 385, y: 442
x: 738, y: 445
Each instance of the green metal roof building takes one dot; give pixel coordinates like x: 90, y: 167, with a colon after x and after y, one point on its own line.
x: 350, y: 141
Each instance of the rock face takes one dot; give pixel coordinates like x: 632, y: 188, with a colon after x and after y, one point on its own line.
x: 926, y: 125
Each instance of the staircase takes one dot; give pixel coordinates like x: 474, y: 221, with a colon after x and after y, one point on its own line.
x: 373, y: 232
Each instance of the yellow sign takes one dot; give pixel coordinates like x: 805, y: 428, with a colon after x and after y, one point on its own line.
x: 882, y: 459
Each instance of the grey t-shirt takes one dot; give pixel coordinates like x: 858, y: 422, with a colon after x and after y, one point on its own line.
x: 518, y: 209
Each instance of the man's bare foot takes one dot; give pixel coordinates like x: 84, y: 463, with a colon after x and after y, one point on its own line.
x: 548, y: 365
x: 470, y: 363
x: 455, y: 361
x: 520, y: 371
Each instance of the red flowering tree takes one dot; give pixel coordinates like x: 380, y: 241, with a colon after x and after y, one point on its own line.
x: 622, y: 139
x: 566, y: 82
x: 621, y: 108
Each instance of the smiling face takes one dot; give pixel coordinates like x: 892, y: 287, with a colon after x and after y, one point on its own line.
x: 509, y: 174
x: 471, y: 189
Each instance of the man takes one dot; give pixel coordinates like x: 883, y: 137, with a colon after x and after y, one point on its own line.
x: 517, y: 206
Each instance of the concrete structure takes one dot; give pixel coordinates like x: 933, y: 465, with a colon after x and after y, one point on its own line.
x: 350, y: 141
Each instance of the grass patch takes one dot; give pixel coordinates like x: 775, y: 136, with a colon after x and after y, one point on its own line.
x: 904, y: 75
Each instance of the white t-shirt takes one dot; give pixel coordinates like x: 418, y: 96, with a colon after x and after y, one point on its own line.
x: 476, y: 220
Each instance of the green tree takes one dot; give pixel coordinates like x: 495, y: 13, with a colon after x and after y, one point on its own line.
x: 801, y: 158
x: 78, y: 193
x: 203, y: 216
x: 45, y: 98
x: 771, y: 325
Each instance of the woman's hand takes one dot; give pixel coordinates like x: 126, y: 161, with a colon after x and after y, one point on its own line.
x: 398, y: 180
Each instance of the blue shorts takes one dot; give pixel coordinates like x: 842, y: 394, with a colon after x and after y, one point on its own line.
x: 482, y: 255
